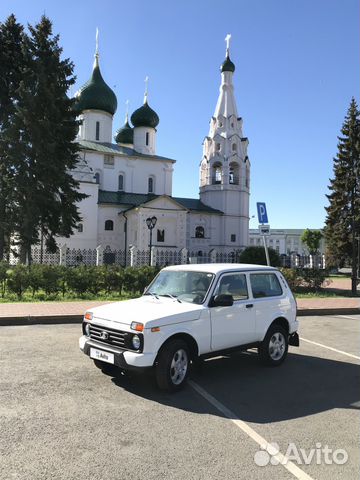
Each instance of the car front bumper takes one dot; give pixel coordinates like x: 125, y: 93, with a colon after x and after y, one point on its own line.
x: 122, y: 358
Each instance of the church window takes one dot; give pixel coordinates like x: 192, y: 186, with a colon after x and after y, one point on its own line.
x: 97, y: 177
x: 109, y: 160
x: 147, y: 138
x: 232, y: 124
x: 233, y: 237
x: 121, y: 183
x: 199, y: 232
x: 234, y: 147
x: 217, y: 174
x: 151, y: 185
x: 247, y: 179
x: 97, y: 132
x: 220, y: 123
x: 80, y: 228
x: 109, y: 225
x: 218, y: 147
x: 234, y: 174
x: 160, y: 235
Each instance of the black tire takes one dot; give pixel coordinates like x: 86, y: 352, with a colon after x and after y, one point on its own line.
x: 106, y: 368
x: 273, y: 349
x: 168, y: 377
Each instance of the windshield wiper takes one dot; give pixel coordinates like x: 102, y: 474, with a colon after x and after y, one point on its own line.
x: 152, y: 294
x: 171, y: 296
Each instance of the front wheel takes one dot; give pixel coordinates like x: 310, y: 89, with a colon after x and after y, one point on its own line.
x: 172, y: 366
x: 274, y: 347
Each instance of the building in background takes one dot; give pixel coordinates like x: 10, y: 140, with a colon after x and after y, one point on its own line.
x: 127, y: 182
x: 284, y: 241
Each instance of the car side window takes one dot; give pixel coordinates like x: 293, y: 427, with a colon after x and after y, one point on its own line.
x: 265, y: 285
x: 233, y: 284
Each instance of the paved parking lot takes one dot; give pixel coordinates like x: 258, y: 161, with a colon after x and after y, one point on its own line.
x: 61, y: 418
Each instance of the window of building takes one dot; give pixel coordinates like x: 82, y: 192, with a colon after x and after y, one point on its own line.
x: 97, y: 177
x: 160, y: 235
x: 217, y: 173
x: 265, y: 285
x: 147, y: 138
x: 97, y: 131
x: 199, y: 232
x: 109, y: 160
x: 80, y: 228
x: 247, y: 179
x: 121, y: 183
x: 109, y: 225
x: 234, y: 147
x: 218, y: 147
x: 151, y: 185
x: 220, y: 123
x: 234, y: 173
x: 233, y: 237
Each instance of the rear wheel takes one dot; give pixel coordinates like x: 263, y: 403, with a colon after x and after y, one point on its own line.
x: 173, y: 365
x: 274, y: 347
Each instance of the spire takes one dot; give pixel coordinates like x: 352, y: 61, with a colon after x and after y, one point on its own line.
x: 146, y: 89
x: 227, y: 40
x: 227, y: 65
x: 96, y: 62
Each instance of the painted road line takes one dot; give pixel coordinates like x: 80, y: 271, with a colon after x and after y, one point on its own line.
x: 282, y: 459
x: 330, y: 348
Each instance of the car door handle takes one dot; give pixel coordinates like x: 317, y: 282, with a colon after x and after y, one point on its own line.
x: 249, y: 305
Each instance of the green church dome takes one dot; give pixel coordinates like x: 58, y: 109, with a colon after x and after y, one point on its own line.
x: 96, y: 94
x: 125, y: 134
x: 227, y: 65
x: 145, y: 117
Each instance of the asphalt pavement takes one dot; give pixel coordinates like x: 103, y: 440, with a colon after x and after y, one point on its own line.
x: 61, y: 418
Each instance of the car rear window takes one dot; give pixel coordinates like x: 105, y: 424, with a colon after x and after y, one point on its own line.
x: 265, y: 285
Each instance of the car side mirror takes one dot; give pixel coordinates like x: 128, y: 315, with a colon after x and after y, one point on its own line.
x: 222, y: 301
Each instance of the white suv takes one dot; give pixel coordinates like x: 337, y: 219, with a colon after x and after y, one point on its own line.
x: 190, y: 312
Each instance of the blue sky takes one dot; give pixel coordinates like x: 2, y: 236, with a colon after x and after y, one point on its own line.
x: 297, y: 67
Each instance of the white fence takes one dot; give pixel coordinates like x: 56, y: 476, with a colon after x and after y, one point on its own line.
x: 159, y: 256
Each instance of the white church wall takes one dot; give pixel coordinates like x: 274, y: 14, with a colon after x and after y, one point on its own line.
x: 114, y: 238
x: 88, y: 129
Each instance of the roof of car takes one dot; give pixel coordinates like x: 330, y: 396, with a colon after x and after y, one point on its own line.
x: 220, y: 267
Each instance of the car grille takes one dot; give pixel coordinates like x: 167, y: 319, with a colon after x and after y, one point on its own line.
x: 108, y: 335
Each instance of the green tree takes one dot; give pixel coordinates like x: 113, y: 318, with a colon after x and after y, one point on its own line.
x: 312, y: 238
x: 11, y: 65
x: 342, y: 225
x: 44, y: 152
x: 256, y: 256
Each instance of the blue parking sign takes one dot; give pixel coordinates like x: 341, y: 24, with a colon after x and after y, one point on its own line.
x: 262, y: 214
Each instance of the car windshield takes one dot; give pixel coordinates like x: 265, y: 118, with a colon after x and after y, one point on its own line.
x: 185, y: 286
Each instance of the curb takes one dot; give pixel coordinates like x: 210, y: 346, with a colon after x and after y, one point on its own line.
x: 40, y: 320
x: 69, y: 319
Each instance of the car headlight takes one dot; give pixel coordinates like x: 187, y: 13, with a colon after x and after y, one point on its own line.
x: 136, y: 342
x: 87, y: 329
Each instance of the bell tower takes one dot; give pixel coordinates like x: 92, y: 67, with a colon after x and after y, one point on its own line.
x: 225, y: 166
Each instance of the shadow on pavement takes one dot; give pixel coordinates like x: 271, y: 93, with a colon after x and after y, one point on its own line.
x: 302, y: 386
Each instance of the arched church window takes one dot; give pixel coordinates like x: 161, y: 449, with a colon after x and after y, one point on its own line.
x: 199, y: 232
x: 234, y: 147
x: 80, y: 228
x: 97, y: 131
x: 217, y: 174
x: 121, y: 183
x: 151, y: 185
x: 109, y: 225
x: 247, y: 179
x: 147, y: 138
x: 234, y: 173
x: 97, y: 177
x: 218, y: 147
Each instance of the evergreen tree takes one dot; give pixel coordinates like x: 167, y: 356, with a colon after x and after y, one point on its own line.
x: 11, y: 64
x: 343, y: 213
x: 43, y: 131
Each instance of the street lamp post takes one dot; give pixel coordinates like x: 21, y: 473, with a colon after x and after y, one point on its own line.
x: 151, y: 222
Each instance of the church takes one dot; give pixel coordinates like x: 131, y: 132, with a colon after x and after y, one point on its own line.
x: 129, y: 186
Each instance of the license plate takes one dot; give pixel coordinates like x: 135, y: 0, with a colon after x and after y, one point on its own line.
x: 100, y: 355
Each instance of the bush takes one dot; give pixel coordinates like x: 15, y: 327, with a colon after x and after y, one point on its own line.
x: 312, y: 278
x: 256, y: 256
x: 36, y: 280
x: 292, y: 277
x: 4, y: 267
x: 113, y: 278
x: 18, y: 279
x: 52, y: 279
